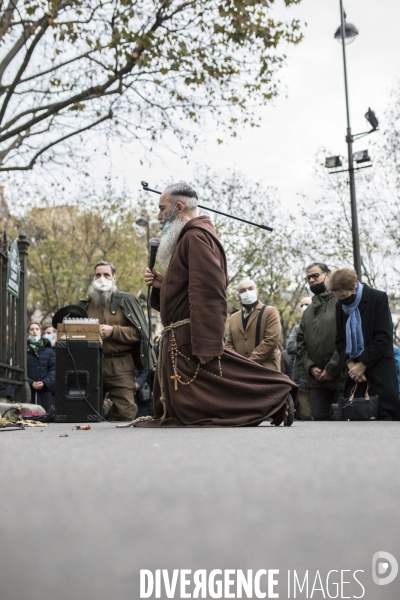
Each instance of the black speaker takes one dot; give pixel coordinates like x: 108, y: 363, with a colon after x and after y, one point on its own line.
x: 79, y: 382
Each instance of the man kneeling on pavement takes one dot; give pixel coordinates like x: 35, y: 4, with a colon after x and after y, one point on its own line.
x: 126, y: 344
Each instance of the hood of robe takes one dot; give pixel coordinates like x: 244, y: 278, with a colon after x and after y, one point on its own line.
x: 204, y: 223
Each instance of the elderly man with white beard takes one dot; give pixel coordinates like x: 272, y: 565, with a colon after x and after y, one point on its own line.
x: 198, y: 383
x: 125, y: 336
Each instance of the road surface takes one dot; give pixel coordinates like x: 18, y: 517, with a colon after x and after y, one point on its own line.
x: 83, y: 514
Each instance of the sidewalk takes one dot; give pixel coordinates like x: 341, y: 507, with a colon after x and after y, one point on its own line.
x: 83, y: 514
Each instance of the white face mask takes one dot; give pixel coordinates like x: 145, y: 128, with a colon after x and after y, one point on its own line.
x: 34, y: 338
x: 102, y: 284
x: 303, y: 308
x: 248, y: 297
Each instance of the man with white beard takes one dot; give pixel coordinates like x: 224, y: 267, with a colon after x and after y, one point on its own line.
x: 125, y: 336
x: 198, y: 383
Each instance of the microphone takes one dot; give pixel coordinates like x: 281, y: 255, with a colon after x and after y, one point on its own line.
x: 154, y: 243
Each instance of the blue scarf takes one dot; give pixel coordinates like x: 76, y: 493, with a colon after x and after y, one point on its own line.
x: 354, y: 334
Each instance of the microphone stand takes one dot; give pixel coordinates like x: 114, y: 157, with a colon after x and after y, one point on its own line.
x: 145, y: 186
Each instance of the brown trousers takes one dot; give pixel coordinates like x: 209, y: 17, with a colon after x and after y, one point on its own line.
x: 119, y: 382
x: 303, y: 399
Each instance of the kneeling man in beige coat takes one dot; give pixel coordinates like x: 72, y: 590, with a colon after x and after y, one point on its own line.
x: 254, y: 330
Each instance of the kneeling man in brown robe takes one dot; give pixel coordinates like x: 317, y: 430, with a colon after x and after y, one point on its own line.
x: 198, y: 383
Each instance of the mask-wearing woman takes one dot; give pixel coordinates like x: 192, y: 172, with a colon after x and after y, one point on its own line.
x: 41, y: 367
x: 365, y: 340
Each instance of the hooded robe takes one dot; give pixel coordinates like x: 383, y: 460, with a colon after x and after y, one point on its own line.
x: 194, y: 286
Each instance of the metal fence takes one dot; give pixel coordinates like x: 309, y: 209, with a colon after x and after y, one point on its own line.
x: 13, y: 322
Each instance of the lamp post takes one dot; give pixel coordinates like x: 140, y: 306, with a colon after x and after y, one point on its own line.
x: 143, y: 222
x: 346, y: 34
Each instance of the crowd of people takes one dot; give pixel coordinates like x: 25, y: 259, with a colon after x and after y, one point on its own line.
x: 205, y: 372
x: 344, y: 338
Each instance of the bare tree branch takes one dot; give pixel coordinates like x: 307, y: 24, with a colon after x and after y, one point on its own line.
x: 16, y: 143
x: 22, y: 68
x: 58, y: 66
x: 6, y: 17
x: 20, y: 43
x: 31, y: 164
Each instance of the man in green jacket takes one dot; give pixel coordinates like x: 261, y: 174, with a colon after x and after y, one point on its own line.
x: 316, y: 345
x: 126, y: 343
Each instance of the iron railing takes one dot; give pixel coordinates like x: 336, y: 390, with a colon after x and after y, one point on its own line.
x: 13, y: 322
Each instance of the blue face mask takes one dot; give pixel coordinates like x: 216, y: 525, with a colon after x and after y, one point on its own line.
x: 48, y: 336
x: 166, y: 227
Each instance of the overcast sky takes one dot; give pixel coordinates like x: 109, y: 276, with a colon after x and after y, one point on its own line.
x: 309, y: 113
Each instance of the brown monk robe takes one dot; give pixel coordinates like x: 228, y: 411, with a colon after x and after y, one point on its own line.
x: 230, y: 392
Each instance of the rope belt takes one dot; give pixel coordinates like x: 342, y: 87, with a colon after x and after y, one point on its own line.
x: 176, y: 377
x: 171, y: 327
x: 175, y: 326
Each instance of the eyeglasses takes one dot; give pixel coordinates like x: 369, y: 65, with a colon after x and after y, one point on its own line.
x: 313, y: 276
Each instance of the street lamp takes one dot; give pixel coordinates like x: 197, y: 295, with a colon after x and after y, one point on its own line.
x: 143, y: 222
x: 346, y: 34
x: 349, y: 32
x: 332, y: 162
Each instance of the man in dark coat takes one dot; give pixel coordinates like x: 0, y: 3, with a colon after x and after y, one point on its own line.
x: 316, y: 349
x: 376, y: 362
x: 198, y: 383
x: 298, y: 372
x: 125, y: 335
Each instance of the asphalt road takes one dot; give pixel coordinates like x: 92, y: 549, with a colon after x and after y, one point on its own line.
x: 81, y: 515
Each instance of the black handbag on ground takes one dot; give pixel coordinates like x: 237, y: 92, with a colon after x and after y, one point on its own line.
x: 364, y: 408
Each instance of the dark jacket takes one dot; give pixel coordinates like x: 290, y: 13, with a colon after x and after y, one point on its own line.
x: 299, y: 374
x: 143, y: 396
x: 142, y: 352
x: 287, y: 364
x: 41, y: 366
x: 316, y: 341
x: 378, y: 355
x: 397, y: 361
x: 141, y: 377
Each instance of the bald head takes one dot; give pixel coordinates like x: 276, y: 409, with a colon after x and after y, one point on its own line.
x: 247, y: 292
x: 246, y: 284
x: 304, y: 302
